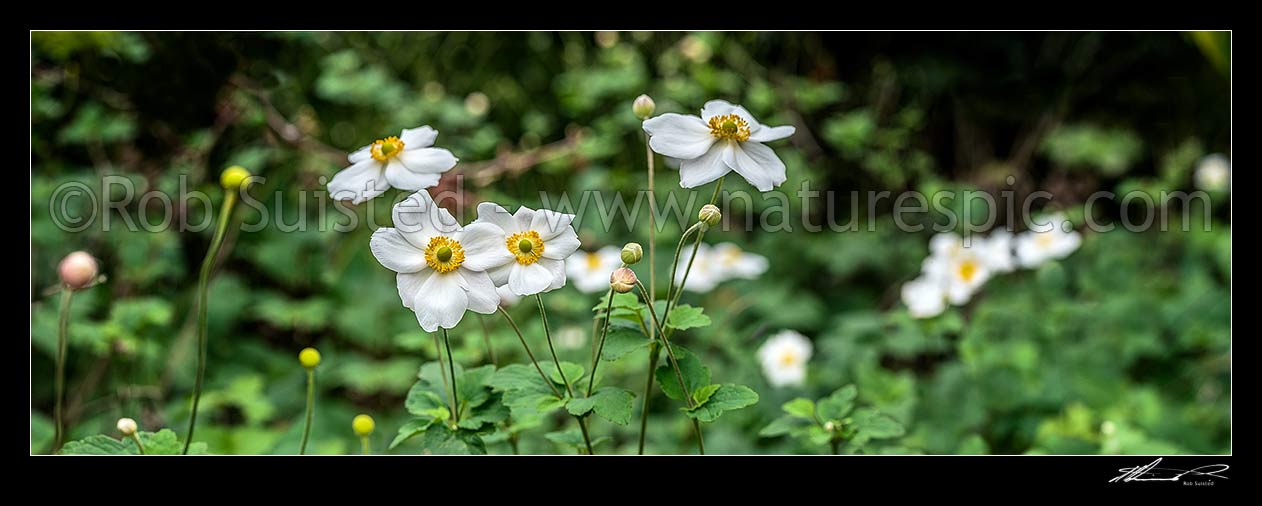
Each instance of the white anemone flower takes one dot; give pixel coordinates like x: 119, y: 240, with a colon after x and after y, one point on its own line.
x: 706, y: 272
x: 1046, y: 242
x: 407, y: 162
x: 440, y: 264
x: 961, y: 274
x: 783, y: 358
x: 724, y: 138
x: 733, y: 262
x: 529, y: 247
x: 590, y: 270
x: 995, y: 251
x: 1213, y: 173
x: 924, y: 297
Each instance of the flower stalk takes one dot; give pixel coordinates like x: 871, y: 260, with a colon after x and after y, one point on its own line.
x: 59, y: 382
x: 543, y: 314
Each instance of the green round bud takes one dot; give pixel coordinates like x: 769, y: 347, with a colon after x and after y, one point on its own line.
x: 632, y: 253
x: 643, y: 107
x: 233, y: 177
x: 309, y: 357
x: 363, y: 425
x: 710, y: 215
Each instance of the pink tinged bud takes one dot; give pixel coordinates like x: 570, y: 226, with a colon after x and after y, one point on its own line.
x: 623, y: 280
x: 77, y: 270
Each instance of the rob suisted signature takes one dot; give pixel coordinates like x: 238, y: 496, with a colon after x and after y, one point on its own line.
x: 1151, y: 472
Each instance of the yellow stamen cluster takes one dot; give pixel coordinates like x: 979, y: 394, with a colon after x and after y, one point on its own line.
x: 444, y: 254
x: 967, y: 270
x: 526, y: 247
x: 788, y: 359
x: 593, y: 261
x: 383, y: 149
x: 729, y: 126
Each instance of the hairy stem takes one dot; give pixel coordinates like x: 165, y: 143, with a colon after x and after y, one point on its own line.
x: 203, y: 280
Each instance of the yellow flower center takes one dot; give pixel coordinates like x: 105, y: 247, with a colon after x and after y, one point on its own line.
x: 729, y: 126
x: 443, y: 254
x: 730, y: 257
x: 383, y: 149
x: 526, y: 247
x: 593, y: 261
x: 788, y: 359
x: 1044, y: 240
x: 967, y: 270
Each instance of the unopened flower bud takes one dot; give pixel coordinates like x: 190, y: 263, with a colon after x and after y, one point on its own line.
x: 623, y: 280
x: 309, y: 357
x: 77, y: 270
x: 632, y: 253
x: 710, y: 215
x: 233, y: 177
x: 643, y: 107
x: 126, y: 426
x: 363, y: 425
x: 830, y: 426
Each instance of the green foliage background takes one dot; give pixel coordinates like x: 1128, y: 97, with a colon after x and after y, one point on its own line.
x: 1124, y: 347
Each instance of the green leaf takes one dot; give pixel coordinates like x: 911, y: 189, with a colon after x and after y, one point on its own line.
x: 412, y: 428
x: 800, y: 407
x: 621, y: 340
x: 422, y: 402
x: 95, y: 445
x: 163, y: 442
x: 626, y: 306
x: 490, y: 413
x: 572, y: 438
x: 573, y: 372
x: 703, y: 394
x: 443, y: 441
x: 695, y: 374
x: 472, y: 386
x: 780, y: 426
x: 872, y: 424
x: 684, y: 317
x: 611, y: 403
x: 518, y: 377
x: 837, y: 405
x: 727, y: 398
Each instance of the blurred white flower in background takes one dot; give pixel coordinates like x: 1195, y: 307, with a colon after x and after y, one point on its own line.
x: 924, y: 297
x: 783, y: 358
x: 961, y: 274
x: 571, y: 337
x: 1046, y: 242
x: 1213, y: 173
x: 716, y: 264
x: 725, y: 138
x: 406, y: 162
x: 995, y: 251
x: 589, y: 271
x: 733, y: 262
x: 507, y: 297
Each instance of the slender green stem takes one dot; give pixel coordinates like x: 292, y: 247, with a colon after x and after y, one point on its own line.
x: 543, y: 315
x: 59, y: 382
x: 648, y: 154
x: 674, y: 362
x: 654, y: 353
x: 679, y: 249
x: 486, y: 337
x: 672, y: 300
x: 601, y: 349
x: 442, y: 368
x: 203, y: 280
x: 366, y: 445
x: 546, y: 379
x: 455, y: 397
x: 135, y: 436
x: 306, y: 428
x: 836, y: 444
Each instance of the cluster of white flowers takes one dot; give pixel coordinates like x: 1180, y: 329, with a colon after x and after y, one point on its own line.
x: 716, y: 264
x: 783, y: 358
x: 954, y: 271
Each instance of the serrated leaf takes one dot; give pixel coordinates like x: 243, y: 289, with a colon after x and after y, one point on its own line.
x: 872, y: 424
x: 837, y: 405
x: 727, y: 398
x: 573, y: 372
x: 443, y: 441
x: 412, y: 428
x: 801, y: 408
x: 519, y: 377
x: 622, y: 340
x: 683, y: 317
x: 95, y: 445
x: 491, y: 413
x: 695, y: 374
x: 472, y: 386
x: 703, y: 394
x: 421, y: 401
x: 780, y: 426
x: 610, y: 403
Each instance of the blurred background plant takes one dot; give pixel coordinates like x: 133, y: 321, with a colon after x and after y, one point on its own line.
x: 1121, y: 348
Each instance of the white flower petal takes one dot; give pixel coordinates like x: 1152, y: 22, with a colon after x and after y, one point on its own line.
x: 678, y: 136
x: 768, y: 134
x: 758, y: 164
x: 400, y: 177
x: 428, y: 160
x: 557, y: 268
x: 550, y: 223
x: 361, y: 154
x: 716, y: 107
x: 410, y: 284
x: 524, y: 217
x: 561, y: 246
x: 484, y: 247
x: 419, y: 137
x: 441, y: 301
x: 706, y: 168
x: 419, y: 218
x: 396, y: 253
x: 499, y: 275
x: 481, y: 291
x: 491, y: 212
x: 529, y: 279
x: 359, y: 182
